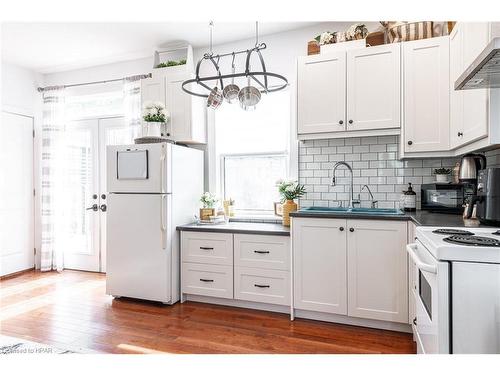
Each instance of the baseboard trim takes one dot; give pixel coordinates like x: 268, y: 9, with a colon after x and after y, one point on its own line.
x: 341, y: 319
x: 18, y: 273
x: 238, y: 303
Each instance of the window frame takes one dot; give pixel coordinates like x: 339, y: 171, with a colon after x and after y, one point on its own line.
x: 249, y: 212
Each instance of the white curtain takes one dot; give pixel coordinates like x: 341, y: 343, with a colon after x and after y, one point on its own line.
x: 132, y: 104
x: 52, y: 178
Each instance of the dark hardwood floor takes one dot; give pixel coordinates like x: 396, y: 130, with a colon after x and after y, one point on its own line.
x: 72, y: 309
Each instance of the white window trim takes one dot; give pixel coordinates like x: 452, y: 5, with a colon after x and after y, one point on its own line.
x: 211, y: 180
x: 247, y: 212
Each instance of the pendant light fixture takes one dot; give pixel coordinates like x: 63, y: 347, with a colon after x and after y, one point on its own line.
x: 250, y: 95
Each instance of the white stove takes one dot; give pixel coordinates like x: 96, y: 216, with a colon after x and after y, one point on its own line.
x: 461, y: 244
x: 456, y: 289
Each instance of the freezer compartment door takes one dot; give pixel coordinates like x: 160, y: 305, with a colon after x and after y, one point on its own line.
x: 141, y: 168
x: 138, y: 247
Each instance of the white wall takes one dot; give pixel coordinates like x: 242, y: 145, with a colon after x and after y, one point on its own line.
x: 19, y: 86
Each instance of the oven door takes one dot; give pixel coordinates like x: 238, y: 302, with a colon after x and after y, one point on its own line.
x: 432, y: 301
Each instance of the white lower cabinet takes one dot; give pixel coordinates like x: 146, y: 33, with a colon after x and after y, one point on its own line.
x: 243, y: 267
x: 207, y: 280
x: 351, y: 267
x: 377, y: 270
x: 262, y: 285
x: 319, y: 265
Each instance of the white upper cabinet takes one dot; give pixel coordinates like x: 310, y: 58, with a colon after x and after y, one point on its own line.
x: 187, y: 113
x: 468, y: 108
x: 319, y: 259
x: 426, y: 95
x: 377, y: 270
x: 373, y: 87
x: 321, y: 96
x: 187, y: 121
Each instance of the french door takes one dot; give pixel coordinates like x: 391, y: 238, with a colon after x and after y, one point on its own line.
x: 86, y: 190
x: 16, y: 191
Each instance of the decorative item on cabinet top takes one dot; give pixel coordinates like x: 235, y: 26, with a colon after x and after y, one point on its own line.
x: 248, y: 96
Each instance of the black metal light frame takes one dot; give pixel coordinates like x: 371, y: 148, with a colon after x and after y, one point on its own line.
x: 247, y: 73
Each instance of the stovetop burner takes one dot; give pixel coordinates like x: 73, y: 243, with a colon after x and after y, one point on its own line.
x: 450, y: 232
x: 468, y: 240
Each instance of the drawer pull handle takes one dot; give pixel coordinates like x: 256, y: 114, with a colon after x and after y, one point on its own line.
x: 261, y: 251
x: 261, y: 286
x: 206, y: 248
x: 207, y: 280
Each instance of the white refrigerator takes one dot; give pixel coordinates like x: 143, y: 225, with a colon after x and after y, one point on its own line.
x: 152, y: 189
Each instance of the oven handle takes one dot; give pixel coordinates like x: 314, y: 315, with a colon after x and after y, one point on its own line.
x: 410, y: 248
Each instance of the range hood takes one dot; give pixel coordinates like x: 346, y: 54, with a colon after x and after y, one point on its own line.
x: 484, y: 72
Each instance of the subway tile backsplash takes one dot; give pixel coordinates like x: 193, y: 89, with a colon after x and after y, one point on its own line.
x: 374, y: 162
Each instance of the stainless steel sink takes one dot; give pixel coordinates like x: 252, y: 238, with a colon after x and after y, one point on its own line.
x: 353, y: 211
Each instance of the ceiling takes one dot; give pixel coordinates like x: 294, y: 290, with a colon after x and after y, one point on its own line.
x: 52, y: 47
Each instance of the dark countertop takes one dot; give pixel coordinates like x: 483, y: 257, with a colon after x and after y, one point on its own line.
x: 239, y: 227
x: 420, y: 218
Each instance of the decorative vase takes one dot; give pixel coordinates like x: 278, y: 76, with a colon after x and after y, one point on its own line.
x: 443, y: 178
x: 288, y: 206
x: 205, y: 213
x: 152, y: 129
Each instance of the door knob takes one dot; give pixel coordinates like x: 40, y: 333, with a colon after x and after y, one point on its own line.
x: 94, y: 207
x: 103, y: 196
x: 341, y: 122
x: 94, y: 196
x: 415, y: 321
x: 350, y: 121
x: 103, y: 207
x: 341, y: 229
x: 351, y: 229
x: 410, y: 143
x: 460, y: 134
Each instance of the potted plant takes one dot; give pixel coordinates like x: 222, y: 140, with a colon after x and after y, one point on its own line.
x: 154, y: 115
x: 442, y: 174
x: 208, y: 201
x: 229, y: 207
x: 289, y: 191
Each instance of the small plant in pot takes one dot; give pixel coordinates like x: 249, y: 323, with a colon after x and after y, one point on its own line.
x: 154, y: 115
x: 289, y: 191
x: 208, y: 201
x: 442, y: 174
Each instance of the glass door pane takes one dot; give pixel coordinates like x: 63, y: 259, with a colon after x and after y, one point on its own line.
x: 81, y: 224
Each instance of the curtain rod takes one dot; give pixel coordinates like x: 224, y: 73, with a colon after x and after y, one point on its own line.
x: 136, y: 77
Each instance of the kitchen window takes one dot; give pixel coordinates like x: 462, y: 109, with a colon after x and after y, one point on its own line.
x: 252, y: 152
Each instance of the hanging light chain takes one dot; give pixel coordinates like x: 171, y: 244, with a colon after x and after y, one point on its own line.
x: 256, y: 33
x: 211, y: 26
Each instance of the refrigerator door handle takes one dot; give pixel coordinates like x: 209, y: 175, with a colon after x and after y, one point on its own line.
x: 163, y: 222
x: 162, y: 172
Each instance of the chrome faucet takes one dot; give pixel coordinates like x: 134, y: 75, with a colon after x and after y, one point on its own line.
x: 352, y: 201
x: 374, y: 202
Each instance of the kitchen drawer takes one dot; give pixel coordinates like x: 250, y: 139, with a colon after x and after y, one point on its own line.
x: 258, y: 285
x: 207, y: 280
x: 207, y: 248
x: 269, y: 252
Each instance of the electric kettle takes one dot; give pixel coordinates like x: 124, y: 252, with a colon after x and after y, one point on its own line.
x: 470, y: 165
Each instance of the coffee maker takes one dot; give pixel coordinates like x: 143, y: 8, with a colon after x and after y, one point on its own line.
x: 470, y: 165
x: 487, y: 199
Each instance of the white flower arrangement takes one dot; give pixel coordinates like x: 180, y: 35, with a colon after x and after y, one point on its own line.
x: 155, y: 112
x: 208, y: 200
x: 326, y: 38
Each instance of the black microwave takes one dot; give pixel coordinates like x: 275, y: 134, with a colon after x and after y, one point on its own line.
x: 445, y: 197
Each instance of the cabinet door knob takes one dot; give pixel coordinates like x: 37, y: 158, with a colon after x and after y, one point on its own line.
x: 414, y: 321
x: 460, y: 134
x: 341, y: 122
x: 350, y: 121
x: 351, y: 229
x: 410, y: 143
x: 341, y: 229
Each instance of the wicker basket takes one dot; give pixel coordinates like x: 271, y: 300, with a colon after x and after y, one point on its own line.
x: 404, y: 32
